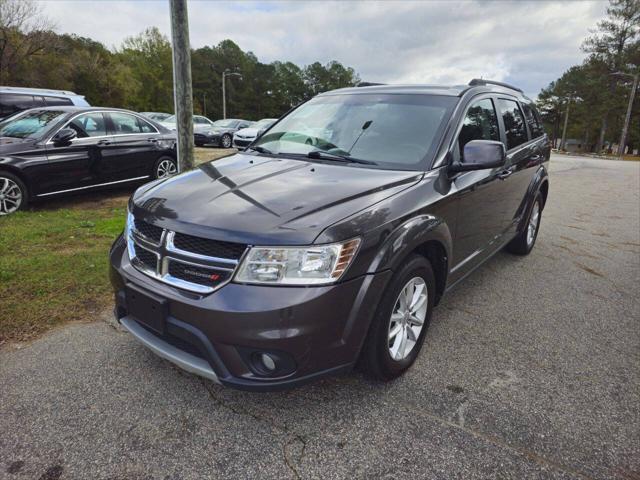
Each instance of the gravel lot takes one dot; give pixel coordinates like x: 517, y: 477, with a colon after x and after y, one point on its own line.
x: 530, y: 370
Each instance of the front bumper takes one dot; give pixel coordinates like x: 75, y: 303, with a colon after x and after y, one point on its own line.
x: 316, y: 331
x: 242, y: 142
x: 202, y: 139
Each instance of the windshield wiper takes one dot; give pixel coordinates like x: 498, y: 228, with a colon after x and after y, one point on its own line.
x: 320, y: 155
x: 260, y: 149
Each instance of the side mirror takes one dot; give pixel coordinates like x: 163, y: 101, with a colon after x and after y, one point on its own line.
x: 480, y: 155
x: 64, y: 136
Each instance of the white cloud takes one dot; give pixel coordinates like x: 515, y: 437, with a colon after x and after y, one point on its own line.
x: 527, y: 43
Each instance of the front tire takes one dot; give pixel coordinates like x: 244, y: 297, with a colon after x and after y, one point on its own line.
x: 523, y: 243
x: 165, y: 167
x: 401, y: 321
x: 14, y: 195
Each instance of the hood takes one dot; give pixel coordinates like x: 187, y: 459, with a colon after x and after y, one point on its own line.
x: 265, y: 201
x: 249, y: 132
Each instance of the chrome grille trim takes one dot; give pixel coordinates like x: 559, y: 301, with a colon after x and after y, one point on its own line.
x: 166, y: 253
x: 197, y: 256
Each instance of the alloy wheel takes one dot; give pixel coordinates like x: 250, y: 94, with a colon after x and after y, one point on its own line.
x: 226, y: 141
x: 10, y: 196
x: 532, y: 227
x: 166, y: 168
x: 407, y: 319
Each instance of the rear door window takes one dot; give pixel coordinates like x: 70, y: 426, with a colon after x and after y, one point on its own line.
x: 89, y: 125
x: 126, y: 124
x: 532, y: 120
x: 513, y: 120
x: 480, y: 123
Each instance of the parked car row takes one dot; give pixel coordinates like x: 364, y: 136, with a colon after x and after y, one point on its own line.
x: 243, y: 137
x: 227, y: 133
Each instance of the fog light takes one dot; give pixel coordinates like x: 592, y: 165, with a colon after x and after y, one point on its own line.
x: 268, y: 362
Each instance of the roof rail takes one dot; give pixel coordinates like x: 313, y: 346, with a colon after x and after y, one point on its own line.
x: 369, y: 84
x: 480, y: 81
x: 39, y: 90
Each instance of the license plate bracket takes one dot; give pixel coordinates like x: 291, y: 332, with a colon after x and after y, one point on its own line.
x: 148, y: 309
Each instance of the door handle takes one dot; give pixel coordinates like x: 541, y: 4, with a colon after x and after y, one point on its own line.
x: 152, y: 140
x: 104, y: 142
x: 505, y: 173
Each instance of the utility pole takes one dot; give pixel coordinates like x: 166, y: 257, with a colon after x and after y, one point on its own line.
x: 182, y: 89
x: 564, y: 128
x: 627, y: 120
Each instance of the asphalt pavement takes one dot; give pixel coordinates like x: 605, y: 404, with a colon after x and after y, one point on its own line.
x: 530, y: 370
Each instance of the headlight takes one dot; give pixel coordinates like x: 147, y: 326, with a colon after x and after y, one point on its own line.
x: 313, y: 265
x: 128, y: 226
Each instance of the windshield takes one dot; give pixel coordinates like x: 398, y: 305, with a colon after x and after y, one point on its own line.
x: 224, y: 123
x: 397, y: 131
x: 170, y: 119
x: 30, y: 124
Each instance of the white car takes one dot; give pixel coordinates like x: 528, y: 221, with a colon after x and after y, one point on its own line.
x: 244, y: 137
x: 198, y: 122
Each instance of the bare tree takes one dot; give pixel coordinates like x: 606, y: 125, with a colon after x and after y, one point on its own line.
x: 24, y: 31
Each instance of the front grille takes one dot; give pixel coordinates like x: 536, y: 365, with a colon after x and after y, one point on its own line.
x: 210, y: 248
x: 241, y: 142
x: 208, y: 277
x: 184, y: 261
x: 146, y: 258
x: 147, y: 230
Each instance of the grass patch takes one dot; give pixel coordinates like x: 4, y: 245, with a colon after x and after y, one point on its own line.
x: 54, y: 259
x: 54, y: 266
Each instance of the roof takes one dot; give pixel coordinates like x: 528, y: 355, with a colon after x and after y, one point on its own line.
x: 452, y: 91
x: 478, y: 85
x: 40, y: 91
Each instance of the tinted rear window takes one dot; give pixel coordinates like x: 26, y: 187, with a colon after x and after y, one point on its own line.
x: 57, y: 101
x: 15, y: 102
x: 513, y: 123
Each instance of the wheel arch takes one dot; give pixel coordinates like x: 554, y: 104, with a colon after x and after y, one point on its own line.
x: 18, y: 173
x: 426, y: 235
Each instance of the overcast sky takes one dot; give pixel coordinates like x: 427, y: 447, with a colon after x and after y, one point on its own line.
x: 525, y: 43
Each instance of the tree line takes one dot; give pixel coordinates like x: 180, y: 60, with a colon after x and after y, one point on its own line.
x: 593, y: 97
x: 137, y: 75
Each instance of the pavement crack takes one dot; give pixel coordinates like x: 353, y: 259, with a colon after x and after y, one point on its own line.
x: 545, y: 462
x: 291, y: 437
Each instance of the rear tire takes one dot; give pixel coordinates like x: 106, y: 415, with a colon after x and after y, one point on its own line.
x: 523, y: 243
x: 226, y: 141
x: 165, y: 167
x: 14, y: 195
x: 384, y: 356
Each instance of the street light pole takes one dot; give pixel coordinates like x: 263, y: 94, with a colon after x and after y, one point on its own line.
x: 627, y: 120
x: 224, y: 95
x: 564, y: 128
x: 226, y: 73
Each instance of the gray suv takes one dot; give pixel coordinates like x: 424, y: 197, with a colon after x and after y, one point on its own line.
x: 330, y: 240
x: 16, y: 99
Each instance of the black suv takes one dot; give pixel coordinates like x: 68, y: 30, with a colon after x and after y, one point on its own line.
x: 330, y: 240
